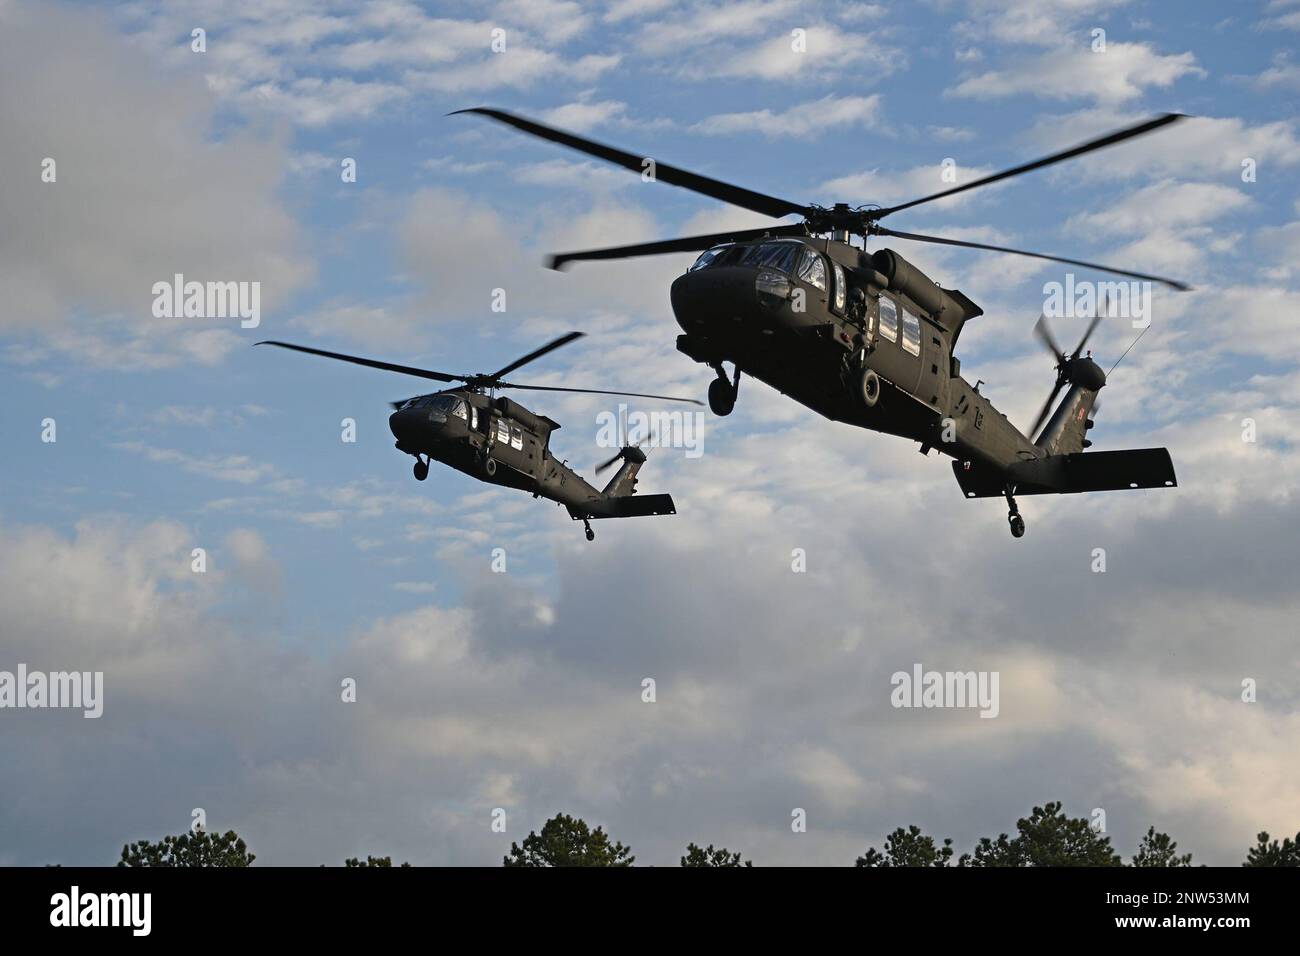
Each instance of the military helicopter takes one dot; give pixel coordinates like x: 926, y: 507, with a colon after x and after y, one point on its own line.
x: 497, y: 440
x: 868, y: 338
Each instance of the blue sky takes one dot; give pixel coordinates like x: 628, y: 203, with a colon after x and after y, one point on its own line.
x: 480, y: 690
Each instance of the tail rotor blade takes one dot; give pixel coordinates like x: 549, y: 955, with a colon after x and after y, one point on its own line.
x: 609, y: 464
x: 1046, y: 409
x: 1044, y: 333
x: 1092, y: 327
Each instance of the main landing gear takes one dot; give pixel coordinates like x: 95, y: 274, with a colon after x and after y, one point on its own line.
x: 722, y: 393
x: 1013, y: 516
x: 591, y: 535
x: 421, y: 469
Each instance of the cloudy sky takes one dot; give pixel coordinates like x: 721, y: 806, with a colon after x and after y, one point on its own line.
x: 523, y: 691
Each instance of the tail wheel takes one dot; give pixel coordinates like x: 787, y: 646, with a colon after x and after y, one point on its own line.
x: 421, y: 470
x: 869, y: 387
x: 490, y: 466
x: 722, y: 397
x: 1017, y: 526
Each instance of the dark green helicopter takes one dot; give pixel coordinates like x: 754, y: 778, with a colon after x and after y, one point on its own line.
x: 868, y: 339
x: 497, y: 440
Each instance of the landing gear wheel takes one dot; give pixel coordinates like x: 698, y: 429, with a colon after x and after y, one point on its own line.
x: 722, y: 397
x: 591, y: 535
x: 490, y: 466
x: 421, y: 470
x: 868, y: 387
x: 1013, y: 514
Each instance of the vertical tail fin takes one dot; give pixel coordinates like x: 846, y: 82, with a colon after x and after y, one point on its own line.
x: 1065, y: 432
x: 624, y: 481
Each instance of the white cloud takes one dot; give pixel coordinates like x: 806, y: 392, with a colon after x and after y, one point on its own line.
x: 1031, y: 22
x: 312, y: 101
x: 885, y: 188
x: 1196, y: 146
x: 1167, y: 204
x: 808, y: 119
x: 827, y: 51
x: 702, y: 24
x: 585, y: 115
x: 143, y: 191
x: 1123, y: 72
x: 517, y: 68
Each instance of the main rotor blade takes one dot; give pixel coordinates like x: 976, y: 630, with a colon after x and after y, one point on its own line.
x: 714, y: 188
x: 684, y: 244
x: 916, y: 237
x: 595, y: 391
x: 536, y: 354
x: 1047, y: 407
x: 1044, y: 333
x: 1110, y: 139
x: 372, y: 363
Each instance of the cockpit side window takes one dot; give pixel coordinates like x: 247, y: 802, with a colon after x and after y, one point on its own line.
x: 841, y: 289
x: 812, y: 269
x: 708, y: 257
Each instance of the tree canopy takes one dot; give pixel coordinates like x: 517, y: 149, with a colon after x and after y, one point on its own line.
x: 1264, y: 853
x: 695, y: 856
x: 908, y: 847
x: 567, y: 841
x: 1156, y: 849
x: 194, y: 848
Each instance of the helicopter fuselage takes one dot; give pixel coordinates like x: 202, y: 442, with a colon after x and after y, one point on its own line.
x: 495, y: 440
x: 812, y: 317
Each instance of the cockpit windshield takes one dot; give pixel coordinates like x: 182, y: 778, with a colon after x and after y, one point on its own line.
x: 780, y: 254
x: 440, y: 406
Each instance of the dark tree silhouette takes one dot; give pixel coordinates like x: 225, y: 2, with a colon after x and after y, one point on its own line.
x: 195, y: 848
x: 1156, y: 849
x: 1263, y: 853
x: 908, y: 848
x: 711, y: 857
x: 1045, y: 838
x: 566, y: 841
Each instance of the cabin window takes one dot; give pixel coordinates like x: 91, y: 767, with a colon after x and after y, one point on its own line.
x: 813, y: 269
x: 841, y: 290
x: 911, y: 333
x: 888, y: 319
x: 503, y: 432
x: 516, y: 438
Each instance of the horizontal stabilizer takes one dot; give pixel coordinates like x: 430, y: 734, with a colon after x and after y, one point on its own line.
x: 1072, y: 474
x: 628, y: 506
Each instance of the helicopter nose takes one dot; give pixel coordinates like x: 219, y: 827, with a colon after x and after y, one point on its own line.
x: 407, y: 424
x: 700, y: 297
